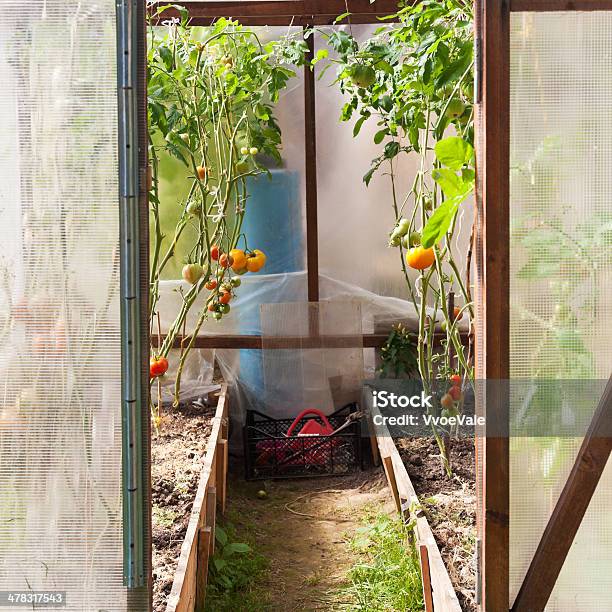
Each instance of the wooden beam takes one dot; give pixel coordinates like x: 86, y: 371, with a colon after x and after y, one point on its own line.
x: 282, y: 12
x: 569, y: 512
x: 310, y: 142
x: 426, y: 578
x: 237, y: 341
x: 257, y: 342
x: 532, y: 6
x: 493, y: 255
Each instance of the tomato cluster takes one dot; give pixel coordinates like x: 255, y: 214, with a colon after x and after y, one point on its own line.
x: 452, y: 397
x: 417, y: 257
x: 240, y: 262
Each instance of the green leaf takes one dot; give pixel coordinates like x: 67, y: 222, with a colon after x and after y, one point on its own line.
x: 358, y: 124
x: 380, y: 135
x: 454, y: 152
x: 341, y: 17
x: 439, y: 222
x: 221, y: 535
x: 367, y: 177
x: 451, y: 184
x: 236, y: 547
x: 391, y: 149
x: 321, y: 54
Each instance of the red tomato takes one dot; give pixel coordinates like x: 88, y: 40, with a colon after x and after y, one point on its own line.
x: 455, y: 393
x: 158, y: 366
x: 225, y: 297
x: 211, y: 284
x: 455, y: 379
x: 214, y: 252
x: 225, y: 261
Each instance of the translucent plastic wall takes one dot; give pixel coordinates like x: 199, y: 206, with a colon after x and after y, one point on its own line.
x: 561, y: 273
x: 354, y: 219
x: 60, y: 373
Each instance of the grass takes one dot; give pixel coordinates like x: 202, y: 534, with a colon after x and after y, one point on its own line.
x: 235, y: 571
x: 386, y: 575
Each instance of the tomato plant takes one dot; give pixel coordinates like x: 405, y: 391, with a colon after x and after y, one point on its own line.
x: 212, y: 93
x: 413, y: 79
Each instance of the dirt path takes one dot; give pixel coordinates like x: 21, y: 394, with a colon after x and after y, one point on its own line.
x: 309, y: 555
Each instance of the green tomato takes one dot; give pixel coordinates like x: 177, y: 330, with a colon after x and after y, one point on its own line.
x: 244, y: 150
x: 224, y: 308
x: 253, y: 150
x: 414, y: 239
x: 394, y: 241
x: 362, y: 76
x: 428, y: 203
x: 217, y: 315
x: 402, y: 227
x: 455, y: 108
x: 236, y: 281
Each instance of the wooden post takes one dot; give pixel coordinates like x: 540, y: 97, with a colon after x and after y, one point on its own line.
x: 493, y: 280
x: 211, y: 507
x: 205, y: 537
x: 390, y: 472
x: 222, y: 459
x: 310, y: 131
x: 426, y: 575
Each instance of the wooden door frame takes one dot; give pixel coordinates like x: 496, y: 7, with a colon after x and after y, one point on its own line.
x: 493, y: 208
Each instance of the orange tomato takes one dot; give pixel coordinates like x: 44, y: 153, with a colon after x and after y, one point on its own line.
x: 447, y: 401
x: 225, y: 297
x: 211, y: 284
x: 457, y: 313
x: 201, y: 172
x: 256, y: 261
x: 420, y: 258
x: 239, y: 259
x: 158, y: 366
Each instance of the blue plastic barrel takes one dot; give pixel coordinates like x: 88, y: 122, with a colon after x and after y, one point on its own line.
x: 273, y: 224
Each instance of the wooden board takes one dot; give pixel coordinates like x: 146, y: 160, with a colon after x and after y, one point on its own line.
x: 493, y: 282
x: 192, y: 566
x: 284, y: 12
x: 443, y: 593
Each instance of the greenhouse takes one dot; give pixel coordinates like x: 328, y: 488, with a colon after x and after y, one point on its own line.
x: 305, y: 305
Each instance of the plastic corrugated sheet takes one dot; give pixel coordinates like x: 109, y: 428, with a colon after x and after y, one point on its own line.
x: 561, y: 273
x: 60, y: 368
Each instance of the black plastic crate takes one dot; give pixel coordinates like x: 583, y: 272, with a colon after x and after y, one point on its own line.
x: 270, y: 454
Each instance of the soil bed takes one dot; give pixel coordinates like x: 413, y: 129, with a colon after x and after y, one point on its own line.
x: 177, y: 456
x: 450, y: 505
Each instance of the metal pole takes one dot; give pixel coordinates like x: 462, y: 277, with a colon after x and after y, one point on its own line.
x: 131, y: 352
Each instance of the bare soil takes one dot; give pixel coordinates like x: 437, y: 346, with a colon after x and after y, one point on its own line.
x: 450, y: 505
x: 303, y: 527
x: 177, y: 456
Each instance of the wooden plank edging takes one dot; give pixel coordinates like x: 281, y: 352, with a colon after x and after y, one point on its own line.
x: 443, y: 592
x: 187, y: 576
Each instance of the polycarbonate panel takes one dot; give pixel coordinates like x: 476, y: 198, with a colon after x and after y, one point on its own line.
x: 355, y: 220
x: 561, y: 273
x: 60, y: 367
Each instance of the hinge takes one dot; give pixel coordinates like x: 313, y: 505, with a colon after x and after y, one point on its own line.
x: 477, y: 69
x: 478, y: 571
